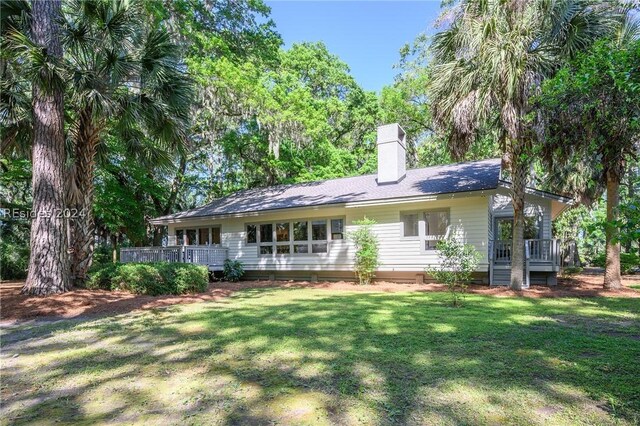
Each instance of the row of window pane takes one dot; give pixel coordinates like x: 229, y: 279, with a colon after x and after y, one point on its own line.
x: 301, y: 236
x: 202, y: 233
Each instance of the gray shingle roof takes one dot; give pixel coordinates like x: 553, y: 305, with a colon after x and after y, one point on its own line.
x: 452, y: 178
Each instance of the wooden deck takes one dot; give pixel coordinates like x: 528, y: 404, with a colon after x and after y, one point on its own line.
x: 211, y: 256
x: 543, y: 258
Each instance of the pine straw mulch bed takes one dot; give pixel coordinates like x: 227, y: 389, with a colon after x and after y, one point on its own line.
x: 81, y: 302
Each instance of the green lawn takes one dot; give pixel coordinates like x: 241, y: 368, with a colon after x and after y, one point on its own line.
x: 318, y: 357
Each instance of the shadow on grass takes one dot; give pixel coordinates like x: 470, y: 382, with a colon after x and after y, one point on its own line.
x: 305, y: 356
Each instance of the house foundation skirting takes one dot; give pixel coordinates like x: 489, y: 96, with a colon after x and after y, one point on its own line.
x: 417, y: 277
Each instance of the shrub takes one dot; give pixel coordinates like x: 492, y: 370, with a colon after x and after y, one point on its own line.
x: 366, y: 244
x: 141, y: 278
x: 102, y: 255
x: 14, y: 258
x: 100, y: 277
x: 571, y: 270
x: 150, y: 278
x: 599, y: 260
x: 629, y: 262
x: 190, y: 279
x: 233, y: 270
x: 457, y: 263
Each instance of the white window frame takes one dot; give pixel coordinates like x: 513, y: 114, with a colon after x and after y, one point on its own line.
x: 291, y: 243
x: 198, y: 228
x: 422, y: 227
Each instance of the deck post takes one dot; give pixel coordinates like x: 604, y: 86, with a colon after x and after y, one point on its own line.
x: 527, y: 273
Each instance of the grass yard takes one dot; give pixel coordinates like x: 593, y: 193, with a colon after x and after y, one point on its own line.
x: 307, y: 356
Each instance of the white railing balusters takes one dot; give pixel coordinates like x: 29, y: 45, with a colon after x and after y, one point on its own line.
x: 202, y: 255
x: 539, y: 250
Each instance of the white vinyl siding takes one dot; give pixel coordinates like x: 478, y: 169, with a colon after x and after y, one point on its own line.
x: 469, y: 216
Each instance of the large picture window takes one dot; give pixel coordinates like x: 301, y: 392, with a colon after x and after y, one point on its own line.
x: 295, y: 237
x: 429, y: 226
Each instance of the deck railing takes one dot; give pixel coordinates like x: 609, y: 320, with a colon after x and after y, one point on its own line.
x: 538, y: 250
x: 213, y: 256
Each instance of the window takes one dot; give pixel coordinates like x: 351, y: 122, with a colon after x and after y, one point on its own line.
x: 282, y: 249
x: 191, y: 237
x: 301, y: 248
x: 429, y: 226
x: 337, y: 229
x: 252, y: 234
x: 203, y: 237
x: 532, y: 227
x: 295, y: 237
x: 300, y: 231
x: 435, y: 224
x: 200, y: 236
x: 319, y: 230
x: 319, y: 234
x: 410, y: 224
x: 266, y: 233
x: 282, y: 232
x: 215, y: 235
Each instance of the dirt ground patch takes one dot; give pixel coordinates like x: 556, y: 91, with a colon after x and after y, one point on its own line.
x: 14, y: 306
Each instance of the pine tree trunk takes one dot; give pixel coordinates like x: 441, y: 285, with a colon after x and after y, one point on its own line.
x: 519, y: 182
x: 48, y: 263
x: 81, y: 197
x: 612, y: 278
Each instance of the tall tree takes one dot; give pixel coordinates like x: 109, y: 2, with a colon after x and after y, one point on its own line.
x: 48, y: 264
x: 486, y: 65
x: 127, y: 79
x: 592, y: 111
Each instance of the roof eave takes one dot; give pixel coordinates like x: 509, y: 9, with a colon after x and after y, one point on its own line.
x: 542, y: 194
x: 166, y: 220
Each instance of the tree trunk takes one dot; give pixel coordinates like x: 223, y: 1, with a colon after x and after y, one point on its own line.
x: 114, y: 248
x: 612, y: 278
x: 48, y: 263
x: 518, y: 185
x: 81, y: 197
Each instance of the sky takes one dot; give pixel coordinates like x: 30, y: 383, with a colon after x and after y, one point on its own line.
x: 367, y: 35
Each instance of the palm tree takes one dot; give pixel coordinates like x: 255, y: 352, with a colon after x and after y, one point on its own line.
x: 122, y: 77
x: 488, y: 63
x: 125, y: 78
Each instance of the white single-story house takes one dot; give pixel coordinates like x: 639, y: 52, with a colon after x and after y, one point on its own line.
x: 300, y: 231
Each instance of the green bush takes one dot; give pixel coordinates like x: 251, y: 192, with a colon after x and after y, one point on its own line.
x: 571, y: 270
x: 458, y: 261
x: 14, y: 259
x: 366, y: 244
x: 100, y: 277
x: 150, y: 278
x: 102, y: 255
x: 191, y: 278
x: 233, y: 270
x: 629, y: 262
x: 599, y: 260
x: 142, y: 278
